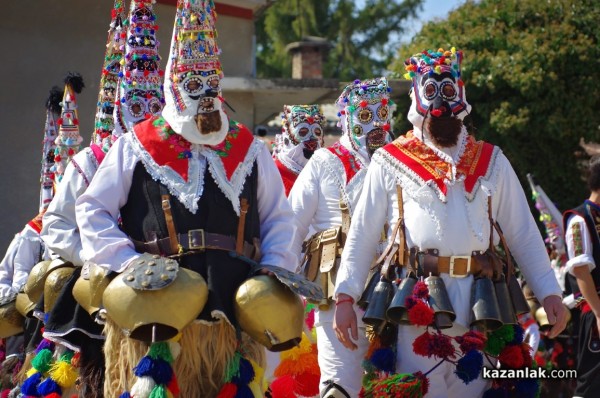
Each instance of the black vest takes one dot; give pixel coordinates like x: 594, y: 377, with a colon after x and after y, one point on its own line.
x: 589, y: 214
x: 143, y: 219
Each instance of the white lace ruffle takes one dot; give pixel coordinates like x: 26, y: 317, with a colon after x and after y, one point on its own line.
x: 232, y: 188
x: 350, y: 192
x: 187, y: 192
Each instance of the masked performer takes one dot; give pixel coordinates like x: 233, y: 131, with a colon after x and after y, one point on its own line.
x: 324, y: 197
x: 435, y: 183
x: 301, y: 135
x: 194, y: 185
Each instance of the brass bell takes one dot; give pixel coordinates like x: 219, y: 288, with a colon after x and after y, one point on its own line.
x: 485, y: 312
x: 519, y: 301
x: 53, y: 286
x: 440, y: 302
x: 397, y: 311
x: 11, y: 321
x: 363, y: 301
x: 542, y: 318
x: 507, y: 313
x: 34, y: 287
x: 375, y: 315
x: 24, y: 305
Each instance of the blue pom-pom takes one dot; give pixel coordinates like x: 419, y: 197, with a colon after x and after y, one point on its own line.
x: 48, y: 387
x: 162, y: 373
x: 384, y: 359
x: 243, y: 391
x: 126, y: 394
x: 469, y: 367
x: 246, y: 372
x: 519, y: 334
x: 29, y: 386
x: 527, y: 388
x: 144, y: 368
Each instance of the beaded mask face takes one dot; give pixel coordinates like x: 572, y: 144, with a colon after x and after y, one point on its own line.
x: 194, y: 106
x: 303, y: 127
x: 365, y: 114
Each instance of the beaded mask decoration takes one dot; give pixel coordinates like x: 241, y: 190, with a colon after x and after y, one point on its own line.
x: 302, y: 131
x: 364, y: 111
x: 140, y: 91
x: 68, y: 140
x: 437, y: 87
x: 49, y: 146
x: 194, y: 106
x: 115, y: 47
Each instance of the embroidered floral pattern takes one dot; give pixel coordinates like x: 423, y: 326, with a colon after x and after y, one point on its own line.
x: 577, y: 239
x: 176, y: 142
x: 223, y: 148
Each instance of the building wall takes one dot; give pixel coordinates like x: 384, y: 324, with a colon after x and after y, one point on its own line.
x: 41, y: 40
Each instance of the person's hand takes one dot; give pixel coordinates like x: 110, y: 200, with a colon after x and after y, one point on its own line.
x: 344, y: 320
x: 557, y: 315
x: 264, y: 271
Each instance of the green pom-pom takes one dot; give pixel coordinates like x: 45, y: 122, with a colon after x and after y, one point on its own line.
x: 233, y: 368
x: 67, y: 356
x: 161, y: 350
x: 494, y: 345
x: 42, y: 361
x: 506, y: 333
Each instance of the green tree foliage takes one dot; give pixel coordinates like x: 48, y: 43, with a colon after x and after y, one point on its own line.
x: 355, y: 32
x: 531, y: 70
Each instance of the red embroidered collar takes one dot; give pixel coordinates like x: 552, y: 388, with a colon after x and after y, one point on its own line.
x: 168, y: 148
x: 428, y: 166
x: 287, y: 176
x: 351, y: 164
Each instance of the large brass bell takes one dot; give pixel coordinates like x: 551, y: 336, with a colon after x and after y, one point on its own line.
x: 53, y: 286
x: 507, y: 313
x: 519, y: 301
x: 34, y: 287
x: 365, y: 298
x: 542, y: 318
x: 485, y: 312
x: 24, y: 305
x: 11, y: 321
x: 397, y: 311
x: 375, y: 315
x: 89, y: 288
x: 440, y: 302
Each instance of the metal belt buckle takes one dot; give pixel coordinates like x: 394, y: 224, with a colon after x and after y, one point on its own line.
x: 451, y: 270
x: 330, y: 234
x: 193, y: 242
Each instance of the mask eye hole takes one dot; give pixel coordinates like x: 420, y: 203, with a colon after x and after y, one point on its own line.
x: 383, y: 112
x: 448, y: 91
x: 431, y: 90
x: 155, y: 106
x: 318, y: 132
x: 136, y: 108
x: 213, y: 82
x: 193, y: 85
x: 365, y: 116
x: 357, y: 130
x: 303, y: 132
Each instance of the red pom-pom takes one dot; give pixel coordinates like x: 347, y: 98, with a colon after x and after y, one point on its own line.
x: 386, y: 127
x: 4, y: 393
x: 421, y: 344
x: 307, y: 384
x: 310, y: 319
x: 436, y: 112
x: 53, y: 395
x: 526, y: 350
x: 441, y: 346
x: 310, y: 120
x: 343, y: 111
x: 424, y: 382
x: 511, y: 357
x: 148, y: 95
x: 420, y: 314
x: 363, y: 104
x: 123, y: 35
x: 71, y: 152
x: 461, y: 83
x: 76, y: 122
x: 384, y: 101
x: 173, y: 386
x: 128, y: 74
x: 146, y: 73
x: 283, y: 387
x: 227, y: 391
x: 420, y: 290
x: 472, y: 340
x: 161, y: 72
x: 59, y: 122
x: 57, y: 158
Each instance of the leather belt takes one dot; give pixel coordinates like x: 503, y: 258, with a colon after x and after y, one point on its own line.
x: 455, y: 266
x: 195, y: 240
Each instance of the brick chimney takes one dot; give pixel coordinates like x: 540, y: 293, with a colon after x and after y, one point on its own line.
x: 308, y: 56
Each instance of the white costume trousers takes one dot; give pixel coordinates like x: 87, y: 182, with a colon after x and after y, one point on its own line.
x: 338, y: 363
x: 442, y: 381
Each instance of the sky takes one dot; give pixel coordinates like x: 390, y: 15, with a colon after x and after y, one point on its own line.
x: 432, y: 9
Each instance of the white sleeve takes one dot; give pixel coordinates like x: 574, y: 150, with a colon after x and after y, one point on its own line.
x: 304, y: 199
x: 521, y: 232
x: 370, y: 215
x: 59, y: 231
x: 97, y: 210
x: 579, y: 245
x: 276, y: 218
x: 28, y: 254
x: 7, y: 267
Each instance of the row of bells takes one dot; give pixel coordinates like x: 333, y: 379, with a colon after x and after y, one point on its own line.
x: 265, y: 308
x: 493, y: 303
